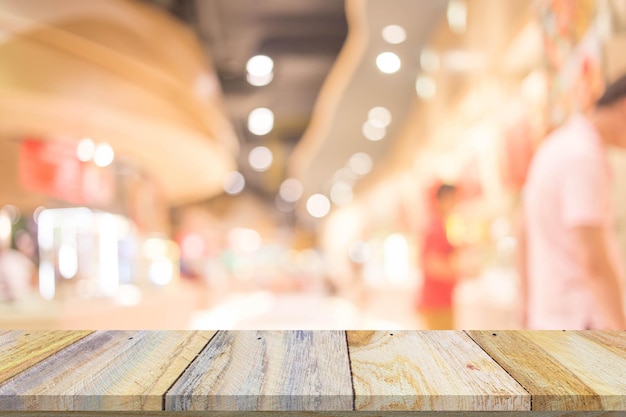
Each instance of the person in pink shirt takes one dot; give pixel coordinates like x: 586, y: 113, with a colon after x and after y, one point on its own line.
x: 571, y: 267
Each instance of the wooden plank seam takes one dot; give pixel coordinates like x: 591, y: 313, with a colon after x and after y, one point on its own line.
x: 186, y: 368
x: 532, y: 397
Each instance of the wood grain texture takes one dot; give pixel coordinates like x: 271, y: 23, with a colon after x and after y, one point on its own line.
x: 563, y: 370
x: 19, y: 350
x: 106, y: 370
x: 267, y: 370
x: 428, y: 371
x: 317, y: 414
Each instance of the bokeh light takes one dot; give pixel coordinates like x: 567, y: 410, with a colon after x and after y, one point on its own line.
x: 260, y: 158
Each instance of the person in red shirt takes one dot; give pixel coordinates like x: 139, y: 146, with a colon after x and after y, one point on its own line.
x: 437, y: 261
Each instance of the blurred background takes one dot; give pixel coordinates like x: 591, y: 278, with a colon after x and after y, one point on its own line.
x: 241, y: 164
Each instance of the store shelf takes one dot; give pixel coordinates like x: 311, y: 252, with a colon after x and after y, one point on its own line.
x: 329, y: 372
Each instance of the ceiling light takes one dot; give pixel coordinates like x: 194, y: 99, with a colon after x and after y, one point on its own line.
x: 260, y: 65
x: 291, y: 190
x: 233, y: 183
x: 360, y: 163
x: 373, y: 132
x: 103, y: 155
x: 85, y: 150
x: 318, y: 205
x: 425, y: 87
x: 429, y: 60
x: 379, y: 116
x: 260, y: 80
x: 388, y: 62
x: 261, y: 121
x: 260, y: 158
x: 341, y: 193
x: 457, y: 16
x: 394, y: 34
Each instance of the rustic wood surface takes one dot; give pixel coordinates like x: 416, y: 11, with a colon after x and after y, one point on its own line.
x: 106, y: 370
x: 429, y: 371
x: 563, y: 370
x: 317, y: 414
x: 20, y: 350
x: 310, y: 373
x: 267, y: 370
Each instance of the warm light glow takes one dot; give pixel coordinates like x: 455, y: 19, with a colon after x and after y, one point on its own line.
x: 360, y: 163
x: 45, y: 231
x: 291, y: 190
x: 318, y: 205
x: 260, y: 158
x: 457, y: 16
x: 388, y: 62
x: 396, y: 255
x: 161, y: 271
x: 372, y: 132
x: 429, y: 60
x: 341, y: 193
x: 460, y: 60
x: 394, y: 34
x: 379, y: 116
x: 261, y: 121
x: 260, y: 65
x: 13, y: 213
x: 68, y: 261
x: 425, y: 87
x: 85, y: 150
x: 244, y: 240
x: 103, y: 155
x: 5, y: 226
x: 128, y: 295
x: 233, y: 182
x: 36, y: 214
x: 155, y: 248
x: 260, y: 80
x: 46, y: 280
x: 109, y: 271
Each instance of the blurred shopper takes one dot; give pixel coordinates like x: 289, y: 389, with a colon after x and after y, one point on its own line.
x: 437, y: 262
x: 570, y: 263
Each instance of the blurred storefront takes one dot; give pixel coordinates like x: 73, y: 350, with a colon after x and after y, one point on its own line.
x: 95, y: 97
x: 113, y: 160
x: 515, y: 72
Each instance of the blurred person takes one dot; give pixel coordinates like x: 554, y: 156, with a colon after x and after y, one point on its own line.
x: 569, y: 264
x: 438, y: 264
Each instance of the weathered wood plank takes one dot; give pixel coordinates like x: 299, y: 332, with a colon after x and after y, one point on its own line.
x: 107, y: 370
x: 563, y: 370
x: 267, y: 370
x: 428, y: 371
x: 612, y: 340
x: 19, y: 350
x: 319, y: 414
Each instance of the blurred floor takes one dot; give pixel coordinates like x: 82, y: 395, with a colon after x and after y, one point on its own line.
x: 488, y: 302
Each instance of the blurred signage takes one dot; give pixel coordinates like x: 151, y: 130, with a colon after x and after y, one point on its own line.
x: 52, y: 168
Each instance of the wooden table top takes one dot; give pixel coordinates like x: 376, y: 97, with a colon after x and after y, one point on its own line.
x: 319, y: 371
